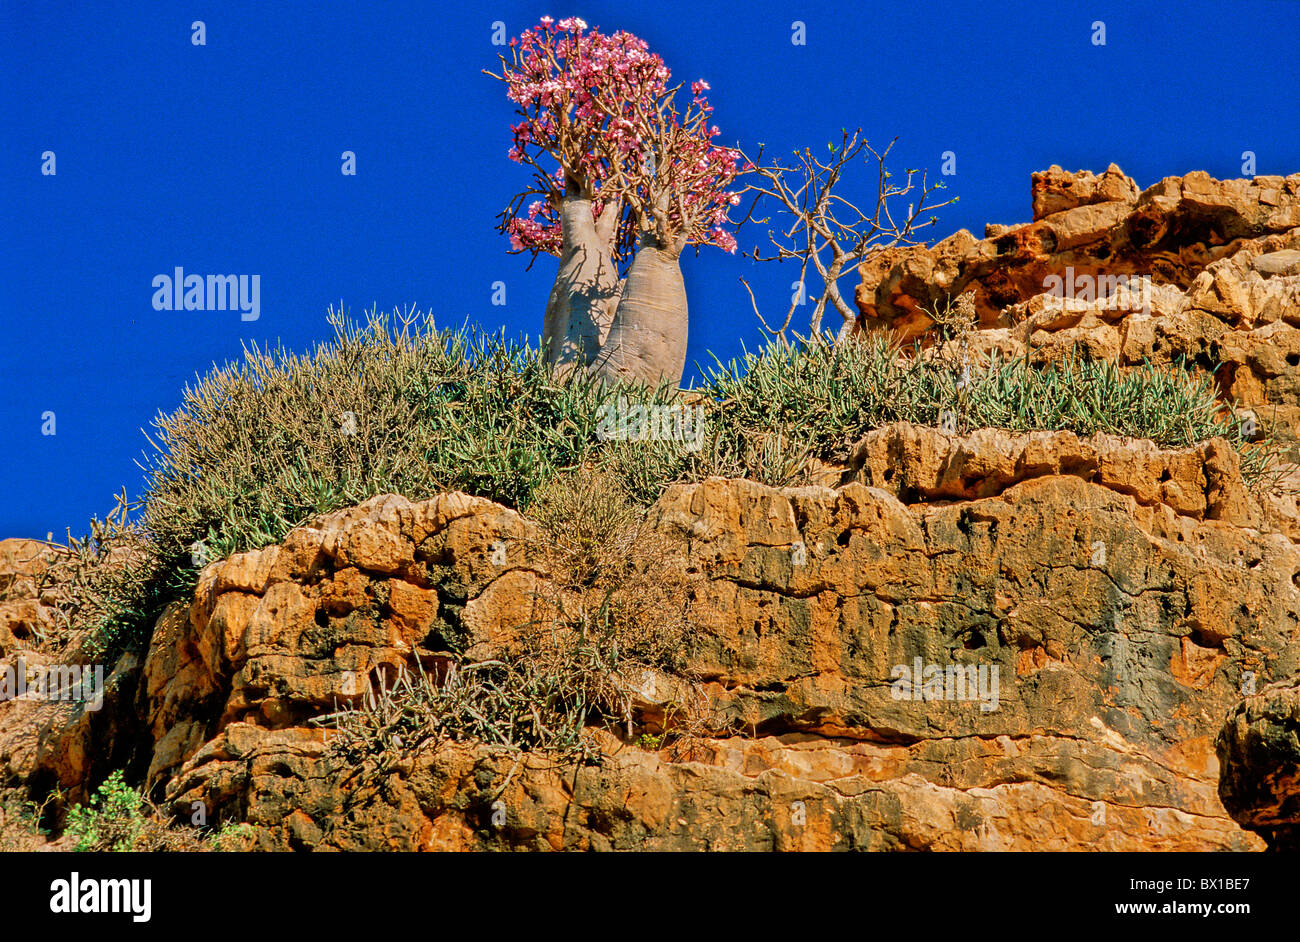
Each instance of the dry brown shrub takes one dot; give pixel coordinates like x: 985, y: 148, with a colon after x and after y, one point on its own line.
x: 617, y: 604
x: 609, y: 568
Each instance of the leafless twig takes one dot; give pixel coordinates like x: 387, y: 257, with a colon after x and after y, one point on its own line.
x: 820, y: 227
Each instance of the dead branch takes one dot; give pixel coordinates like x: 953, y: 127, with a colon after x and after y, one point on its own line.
x: 818, y: 226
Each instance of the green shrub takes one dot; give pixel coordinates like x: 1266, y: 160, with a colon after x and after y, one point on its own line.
x: 22, y: 826
x: 117, y: 818
x: 229, y: 837
x: 113, y: 819
x: 257, y: 447
x: 810, y: 399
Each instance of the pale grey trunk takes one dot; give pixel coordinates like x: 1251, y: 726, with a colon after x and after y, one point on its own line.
x: 647, y: 339
x: 582, y: 301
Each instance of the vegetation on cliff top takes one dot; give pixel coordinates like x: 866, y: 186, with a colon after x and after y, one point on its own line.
x: 394, y: 405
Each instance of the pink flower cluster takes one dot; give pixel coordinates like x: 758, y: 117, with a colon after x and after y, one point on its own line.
x: 591, y: 102
x: 701, y: 173
x: 537, y: 230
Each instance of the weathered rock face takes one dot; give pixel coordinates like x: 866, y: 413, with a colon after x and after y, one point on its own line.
x: 1218, y: 263
x: 52, y: 742
x: 1106, y: 600
x: 1120, y: 614
x: 279, y: 635
x: 1259, y: 750
x: 24, y: 614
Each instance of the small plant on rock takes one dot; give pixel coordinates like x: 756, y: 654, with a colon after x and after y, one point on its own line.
x: 113, y: 819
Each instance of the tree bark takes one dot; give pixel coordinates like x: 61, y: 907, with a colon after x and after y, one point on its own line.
x: 582, y: 301
x: 845, y: 333
x: 647, y: 338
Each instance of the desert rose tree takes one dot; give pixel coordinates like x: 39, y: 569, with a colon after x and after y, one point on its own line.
x: 622, y: 183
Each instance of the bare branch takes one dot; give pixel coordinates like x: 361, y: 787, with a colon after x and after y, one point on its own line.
x: 832, y: 233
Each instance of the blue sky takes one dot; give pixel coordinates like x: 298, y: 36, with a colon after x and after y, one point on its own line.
x: 225, y: 158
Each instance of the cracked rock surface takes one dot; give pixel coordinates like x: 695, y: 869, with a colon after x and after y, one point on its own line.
x: 1122, y: 596
x: 1220, y: 259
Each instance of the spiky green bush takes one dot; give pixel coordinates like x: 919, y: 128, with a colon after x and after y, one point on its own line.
x: 393, y: 405
x: 258, y: 446
x: 821, y: 399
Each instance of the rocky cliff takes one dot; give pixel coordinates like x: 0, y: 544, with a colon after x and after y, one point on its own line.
x: 1191, y: 270
x: 982, y: 641
x: 1124, y: 595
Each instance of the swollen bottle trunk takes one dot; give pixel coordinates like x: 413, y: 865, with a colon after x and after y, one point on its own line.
x: 580, y: 308
x: 647, y: 339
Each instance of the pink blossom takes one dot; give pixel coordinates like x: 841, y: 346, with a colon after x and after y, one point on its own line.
x: 590, y: 100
